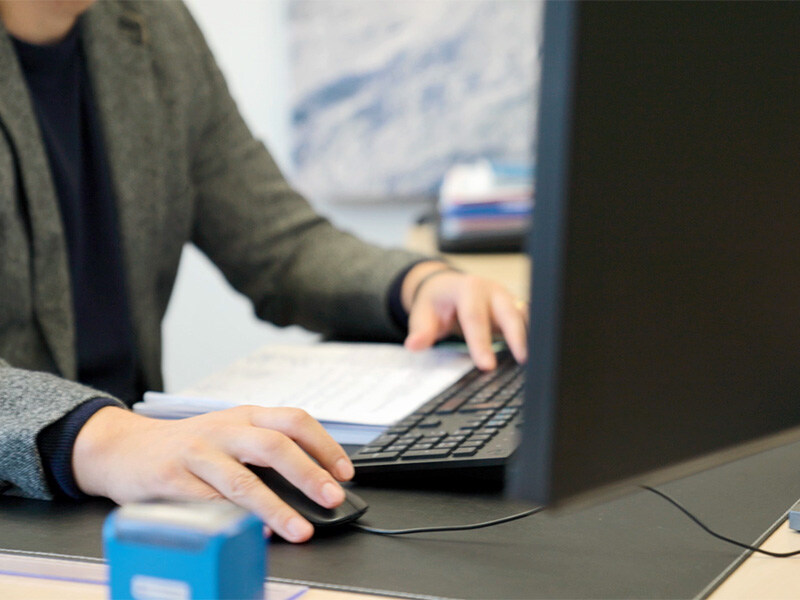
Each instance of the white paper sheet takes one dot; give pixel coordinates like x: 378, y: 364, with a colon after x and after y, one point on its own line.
x: 352, y: 383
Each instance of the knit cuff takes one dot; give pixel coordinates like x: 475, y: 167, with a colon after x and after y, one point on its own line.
x: 56, y: 442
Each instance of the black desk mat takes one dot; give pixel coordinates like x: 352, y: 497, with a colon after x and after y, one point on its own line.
x: 634, y: 547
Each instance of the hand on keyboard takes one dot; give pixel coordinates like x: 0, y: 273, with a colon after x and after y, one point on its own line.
x: 442, y: 301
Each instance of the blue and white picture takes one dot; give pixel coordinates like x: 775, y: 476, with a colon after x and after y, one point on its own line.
x: 387, y: 95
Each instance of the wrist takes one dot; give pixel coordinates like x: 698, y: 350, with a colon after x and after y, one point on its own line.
x: 418, y: 276
x: 92, y: 459
x: 56, y: 443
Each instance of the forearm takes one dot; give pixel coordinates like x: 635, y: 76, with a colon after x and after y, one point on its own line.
x: 293, y: 264
x: 30, y: 401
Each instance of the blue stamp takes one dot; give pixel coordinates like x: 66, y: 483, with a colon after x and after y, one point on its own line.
x: 185, y: 550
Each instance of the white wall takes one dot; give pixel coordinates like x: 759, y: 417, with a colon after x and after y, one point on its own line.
x: 249, y: 41
x: 208, y: 325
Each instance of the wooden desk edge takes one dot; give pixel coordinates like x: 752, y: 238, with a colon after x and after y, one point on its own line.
x: 19, y: 587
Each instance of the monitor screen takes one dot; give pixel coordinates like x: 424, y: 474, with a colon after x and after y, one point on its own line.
x: 665, y: 305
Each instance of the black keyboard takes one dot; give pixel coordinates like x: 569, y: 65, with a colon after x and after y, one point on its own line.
x: 471, y: 425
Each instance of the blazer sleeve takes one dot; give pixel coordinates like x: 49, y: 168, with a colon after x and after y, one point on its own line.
x: 267, y: 240
x: 29, y: 402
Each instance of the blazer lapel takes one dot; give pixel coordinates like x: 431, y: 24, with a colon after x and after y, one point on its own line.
x: 51, y: 286
x: 126, y: 95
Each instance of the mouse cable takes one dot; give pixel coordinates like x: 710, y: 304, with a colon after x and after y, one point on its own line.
x: 717, y: 535
x: 514, y: 517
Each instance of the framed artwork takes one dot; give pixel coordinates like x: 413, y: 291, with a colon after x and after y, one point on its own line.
x: 387, y: 95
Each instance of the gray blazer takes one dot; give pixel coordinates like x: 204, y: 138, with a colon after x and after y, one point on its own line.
x: 185, y: 169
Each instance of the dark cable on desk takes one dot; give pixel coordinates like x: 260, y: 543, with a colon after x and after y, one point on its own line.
x: 533, y: 511
x: 718, y: 535
x: 514, y: 517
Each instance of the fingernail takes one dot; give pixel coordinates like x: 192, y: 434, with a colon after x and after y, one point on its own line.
x: 298, y: 528
x: 344, y: 468
x: 332, y: 493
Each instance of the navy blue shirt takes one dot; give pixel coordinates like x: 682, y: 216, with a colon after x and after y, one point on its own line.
x: 63, y: 101
x: 62, y: 97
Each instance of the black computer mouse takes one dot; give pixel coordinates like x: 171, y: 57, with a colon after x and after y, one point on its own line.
x: 320, y: 517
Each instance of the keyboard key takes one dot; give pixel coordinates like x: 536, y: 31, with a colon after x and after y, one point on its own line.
x: 451, y: 405
x: 467, y: 428
x: 482, y: 406
x: 465, y: 452
x: 421, y: 446
x: 383, y: 440
x: 447, y: 445
x: 484, y: 413
x: 429, y: 435
x: 371, y: 449
x: 470, y: 443
x: 359, y: 458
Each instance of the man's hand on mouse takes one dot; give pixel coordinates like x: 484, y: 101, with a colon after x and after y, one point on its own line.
x: 128, y: 457
x: 441, y: 301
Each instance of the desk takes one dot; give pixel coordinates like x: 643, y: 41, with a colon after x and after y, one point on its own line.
x: 765, y: 577
x: 636, y: 546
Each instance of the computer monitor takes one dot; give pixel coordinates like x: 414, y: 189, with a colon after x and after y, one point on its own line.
x: 665, y: 306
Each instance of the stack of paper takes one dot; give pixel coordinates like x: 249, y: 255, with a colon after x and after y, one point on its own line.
x: 483, y: 200
x: 355, y: 390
